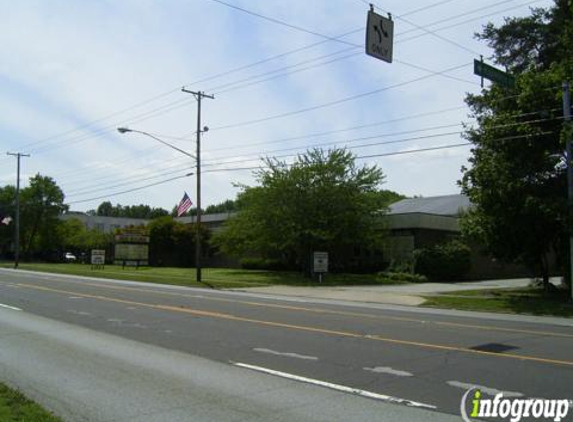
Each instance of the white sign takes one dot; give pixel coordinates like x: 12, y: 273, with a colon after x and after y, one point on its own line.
x: 320, y: 262
x: 379, y: 36
x: 98, y: 257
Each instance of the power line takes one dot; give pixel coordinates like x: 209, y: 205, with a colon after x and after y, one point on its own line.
x: 280, y: 22
x: 147, y: 115
x: 432, y: 33
x: 497, y: 12
x: 340, y: 101
x: 282, y: 140
x: 354, y: 147
x: 412, y: 151
x: 81, y: 192
x: 278, y: 56
x: 308, y: 31
x: 215, y: 161
x: 131, y: 190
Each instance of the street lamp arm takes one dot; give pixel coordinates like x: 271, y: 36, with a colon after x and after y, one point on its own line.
x: 125, y: 129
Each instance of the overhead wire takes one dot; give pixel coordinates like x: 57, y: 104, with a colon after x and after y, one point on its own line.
x: 333, y: 143
x: 439, y: 2
x: 275, y: 57
x: 296, y: 50
x: 336, y: 102
x: 360, y: 157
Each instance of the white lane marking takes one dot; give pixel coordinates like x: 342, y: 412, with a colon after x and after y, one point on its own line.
x: 338, y: 387
x: 84, y: 313
x: 9, y: 307
x: 483, y: 389
x: 75, y: 297
x: 126, y: 324
x: 287, y: 354
x: 388, y: 370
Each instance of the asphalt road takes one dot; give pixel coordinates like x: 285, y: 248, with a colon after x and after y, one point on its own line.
x: 416, y: 358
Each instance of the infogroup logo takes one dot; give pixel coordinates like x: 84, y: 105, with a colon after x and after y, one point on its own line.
x: 512, y: 409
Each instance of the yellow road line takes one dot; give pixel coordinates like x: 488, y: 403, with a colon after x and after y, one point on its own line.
x: 329, y: 311
x: 305, y: 328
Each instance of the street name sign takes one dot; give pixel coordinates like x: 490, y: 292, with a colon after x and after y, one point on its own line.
x: 493, y: 74
x: 379, y: 36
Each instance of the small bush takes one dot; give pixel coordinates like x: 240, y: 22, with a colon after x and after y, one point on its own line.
x: 444, y: 262
x: 404, y: 277
x: 262, y: 264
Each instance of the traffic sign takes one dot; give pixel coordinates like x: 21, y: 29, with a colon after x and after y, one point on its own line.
x: 98, y: 257
x: 379, y: 36
x: 493, y: 74
x: 320, y: 262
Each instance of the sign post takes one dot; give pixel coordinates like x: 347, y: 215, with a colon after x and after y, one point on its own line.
x: 379, y: 36
x: 320, y: 264
x: 98, y: 258
x: 132, y: 247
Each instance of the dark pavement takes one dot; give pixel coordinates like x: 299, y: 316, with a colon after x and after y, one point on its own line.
x: 425, y: 357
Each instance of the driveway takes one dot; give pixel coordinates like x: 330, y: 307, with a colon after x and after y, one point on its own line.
x: 398, y: 294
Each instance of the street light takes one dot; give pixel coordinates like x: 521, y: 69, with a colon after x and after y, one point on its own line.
x: 123, y: 130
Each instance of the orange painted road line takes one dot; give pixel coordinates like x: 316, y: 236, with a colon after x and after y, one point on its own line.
x: 330, y: 311
x: 230, y: 317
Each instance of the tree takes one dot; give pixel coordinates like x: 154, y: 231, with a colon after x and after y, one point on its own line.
x: 229, y: 205
x: 516, y: 178
x: 107, y: 209
x: 74, y: 236
x: 41, y: 203
x: 7, y: 210
x: 322, y: 202
x: 172, y: 243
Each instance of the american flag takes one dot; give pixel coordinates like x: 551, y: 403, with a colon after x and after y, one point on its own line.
x: 184, y: 205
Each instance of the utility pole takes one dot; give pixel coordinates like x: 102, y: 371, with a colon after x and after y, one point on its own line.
x: 17, y: 216
x: 566, y: 123
x: 198, y: 96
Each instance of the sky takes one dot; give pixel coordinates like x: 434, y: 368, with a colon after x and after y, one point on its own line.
x: 286, y: 76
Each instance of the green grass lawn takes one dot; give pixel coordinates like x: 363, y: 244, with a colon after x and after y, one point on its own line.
x: 217, y: 277
x: 533, y: 300
x: 14, y: 407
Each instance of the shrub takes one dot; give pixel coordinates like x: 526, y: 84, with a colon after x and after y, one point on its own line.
x: 443, y: 262
x: 262, y: 264
x: 404, y: 277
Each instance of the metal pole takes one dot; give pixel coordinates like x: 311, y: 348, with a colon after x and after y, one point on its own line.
x: 567, y: 120
x: 17, y: 213
x: 198, y: 221
x: 199, y: 96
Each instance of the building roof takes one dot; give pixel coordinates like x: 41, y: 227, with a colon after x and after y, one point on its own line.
x: 207, y: 218
x: 447, y: 205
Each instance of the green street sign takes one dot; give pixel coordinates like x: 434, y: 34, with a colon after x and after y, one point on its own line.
x: 493, y: 74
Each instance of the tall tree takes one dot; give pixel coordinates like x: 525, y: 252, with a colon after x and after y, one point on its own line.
x: 516, y: 178
x: 41, y: 204
x: 323, y: 201
x: 107, y: 209
x: 7, y: 208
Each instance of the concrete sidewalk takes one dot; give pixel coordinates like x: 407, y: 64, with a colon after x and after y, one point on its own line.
x: 398, y: 294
